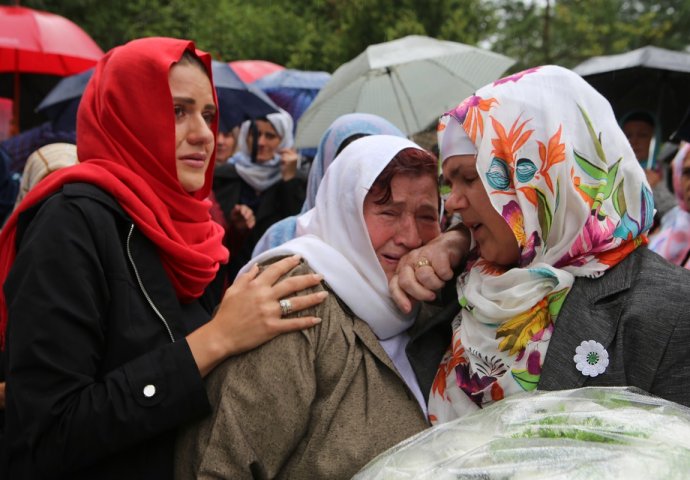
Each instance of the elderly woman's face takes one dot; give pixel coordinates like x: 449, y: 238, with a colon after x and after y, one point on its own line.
x: 194, y: 111
x: 406, y: 221
x: 267, y: 141
x: 469, y: 198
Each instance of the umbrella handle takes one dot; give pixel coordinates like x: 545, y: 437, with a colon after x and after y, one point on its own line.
x: 14, y: 123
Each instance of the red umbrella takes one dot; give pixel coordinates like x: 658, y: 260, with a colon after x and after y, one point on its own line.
x: 251, y: 70
x: 33, y: 41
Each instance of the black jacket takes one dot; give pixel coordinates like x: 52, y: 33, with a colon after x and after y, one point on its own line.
x: 283, y: 199
x: 97, y: 379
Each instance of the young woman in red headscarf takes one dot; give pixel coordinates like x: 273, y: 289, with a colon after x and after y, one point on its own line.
x: 109, y: 272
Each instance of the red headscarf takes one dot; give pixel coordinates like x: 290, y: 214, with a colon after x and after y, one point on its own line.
x: 126, y: 146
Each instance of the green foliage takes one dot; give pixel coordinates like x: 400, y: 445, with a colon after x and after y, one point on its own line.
x: 323, y: 34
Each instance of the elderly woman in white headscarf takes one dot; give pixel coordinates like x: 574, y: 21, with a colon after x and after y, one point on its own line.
x: 344, y: 130
x: 322, y: 403
x: 259, y: 185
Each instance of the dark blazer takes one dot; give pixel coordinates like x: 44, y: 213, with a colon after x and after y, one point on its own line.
x: 281, y: 200
x: 98, y: 381
x: 639, y: 311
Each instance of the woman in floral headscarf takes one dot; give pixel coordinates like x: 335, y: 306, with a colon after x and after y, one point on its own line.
x: 560, y: 291
x: 672, y: 241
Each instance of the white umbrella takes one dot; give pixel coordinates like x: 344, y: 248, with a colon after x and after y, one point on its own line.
x: 411, y: 82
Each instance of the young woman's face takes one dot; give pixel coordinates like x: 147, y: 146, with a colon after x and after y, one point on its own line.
x: 469, y: 198
x: 267, y: 143
x: 406, y: 221
x: 194, y: 111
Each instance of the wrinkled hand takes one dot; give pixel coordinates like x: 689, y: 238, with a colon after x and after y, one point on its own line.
x: 412, y: 282
x: 288, y: 163
x: 242, y: 218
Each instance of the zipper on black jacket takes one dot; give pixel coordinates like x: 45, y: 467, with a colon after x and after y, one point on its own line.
x: 143, y: 290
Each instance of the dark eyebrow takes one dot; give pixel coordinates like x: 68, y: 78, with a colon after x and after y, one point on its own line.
x: 454, y: 173
x: 191, y: 101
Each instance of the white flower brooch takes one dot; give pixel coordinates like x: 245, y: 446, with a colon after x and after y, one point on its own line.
x: 591, y: 358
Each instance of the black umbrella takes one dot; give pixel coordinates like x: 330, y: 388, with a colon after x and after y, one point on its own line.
x: 237, y: 100
x: 650, y: 78
x: 61, y: 103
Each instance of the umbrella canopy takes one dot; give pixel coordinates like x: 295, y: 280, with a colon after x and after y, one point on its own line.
x: 36, y: 42
x: 252, y: 70
x: 411, y: 82
x: 237, y: 101
x: 61, y: 104
x: 33, y: 41
x: 293, y: 90
x: 649, y: 78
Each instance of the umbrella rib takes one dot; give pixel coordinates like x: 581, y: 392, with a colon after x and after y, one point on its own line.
x: 389, y: 72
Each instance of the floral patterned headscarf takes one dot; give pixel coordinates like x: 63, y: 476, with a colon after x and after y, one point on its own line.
x: 562, y: 174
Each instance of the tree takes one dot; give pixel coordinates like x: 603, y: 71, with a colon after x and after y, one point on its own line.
x: 323, y: 34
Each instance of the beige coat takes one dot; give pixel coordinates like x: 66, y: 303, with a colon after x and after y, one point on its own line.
x: 314, y: 404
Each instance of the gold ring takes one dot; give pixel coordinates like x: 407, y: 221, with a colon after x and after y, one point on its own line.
x: 422, y: 262
x: 285, y: 307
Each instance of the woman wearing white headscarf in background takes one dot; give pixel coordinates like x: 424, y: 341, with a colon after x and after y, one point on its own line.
x: 344, y: 130
x: 259, y: 185
x: 323, y: 403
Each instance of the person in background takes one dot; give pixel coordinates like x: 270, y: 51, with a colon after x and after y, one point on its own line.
x: 20, y: 146
x: 110, y: 313
x: 9, y: 187
x: 344, y: 130
x: 44, y: 161
x: 259, y: 185
x: 322, y: 403
x: 226, y: 143
x: 672, y: 239
x: 644, y: 134
x: 560, y: 290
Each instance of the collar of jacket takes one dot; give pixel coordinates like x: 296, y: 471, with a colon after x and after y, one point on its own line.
x: 591, y: 311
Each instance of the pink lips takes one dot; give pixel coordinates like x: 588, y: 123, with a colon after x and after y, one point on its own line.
x: 194, y: 160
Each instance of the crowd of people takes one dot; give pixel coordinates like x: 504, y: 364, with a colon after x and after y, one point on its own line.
x: 182, y: 299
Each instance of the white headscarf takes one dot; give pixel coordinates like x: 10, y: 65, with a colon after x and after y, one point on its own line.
x: 263, y: 175
x: 340, y: 130
x: 333, y: 237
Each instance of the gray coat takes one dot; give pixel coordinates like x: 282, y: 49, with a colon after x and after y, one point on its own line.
x: 639, y: 311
